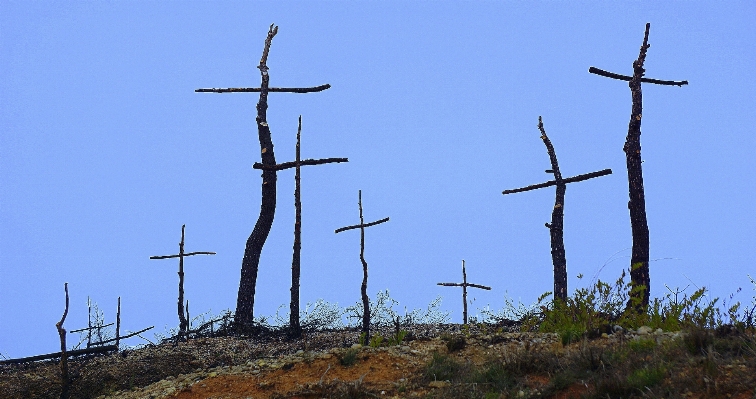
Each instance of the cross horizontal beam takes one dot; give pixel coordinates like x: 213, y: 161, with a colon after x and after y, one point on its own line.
x: 572, y: 179
x: 293, y: 164
x: 180, y: 255
x: 357, y: 226
x: 270, y: 89
x: 90, y: 328
x: 626, y: 78
x: 483, y: 287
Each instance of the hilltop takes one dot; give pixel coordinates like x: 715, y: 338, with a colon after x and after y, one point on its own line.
x: 433, y: 361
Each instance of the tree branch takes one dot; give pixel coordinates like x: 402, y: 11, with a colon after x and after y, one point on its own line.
x: 270, y: 89
x: 293, y: 164
x: 123, y: 337
x: 483, y: 287
x: 357, y: 226
x: 612, y: 75
x: 186, y: 254
x: 567, y: 180
x: 77, y: 352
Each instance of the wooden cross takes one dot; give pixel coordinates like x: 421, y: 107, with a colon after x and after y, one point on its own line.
x: 464, y: 284
x: 556, y: 227
x: 639, y: 270
x: 183, y: 322
x: 245, y: 300
x: 295, y: 263
x: 365, y: 300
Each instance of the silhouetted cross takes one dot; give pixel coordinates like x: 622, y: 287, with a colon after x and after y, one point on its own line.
x: 183, y: 322
x: 365, y: 301
x: 464, y: 284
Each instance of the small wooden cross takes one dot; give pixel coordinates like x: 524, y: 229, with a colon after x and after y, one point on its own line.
x: 365, y: 300
x: 464, y: 284
x: 183, y: 322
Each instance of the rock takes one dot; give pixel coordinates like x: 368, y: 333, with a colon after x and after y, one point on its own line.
x: 356, y: 346
x: 645, y: 330
x: 659, y: 331
x: 439, y: 384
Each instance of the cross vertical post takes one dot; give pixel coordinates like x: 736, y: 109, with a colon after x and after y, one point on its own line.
x: 183, y: 322
x: 245, y: 300
x: 556, y: 227
x: 363, y: 290
x: 464, y: 286
x: 639, y: 271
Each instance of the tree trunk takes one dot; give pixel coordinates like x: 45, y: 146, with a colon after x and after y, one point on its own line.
x: 365, y: 299
x: 294, y: 325
x: 639, y: 270
x: 556, y: 227
x: 245, y: 300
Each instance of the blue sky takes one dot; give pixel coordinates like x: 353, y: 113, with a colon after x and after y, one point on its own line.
x: 106, y: 150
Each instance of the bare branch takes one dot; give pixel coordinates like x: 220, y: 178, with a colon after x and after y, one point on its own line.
x: 293, y: 164
x: 270, y: 89
x: 617, y: 76
x: 357, y: 226
x: 177, y: 256
x: 573, y: 179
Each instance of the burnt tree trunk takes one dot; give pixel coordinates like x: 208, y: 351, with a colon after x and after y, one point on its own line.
x: 245, y: 300
x: 556, y: 227
x: 363, y: 288
x: 639, y: 270
x: 64, y: 378
x: 296, y: 329
x: 183, y: 323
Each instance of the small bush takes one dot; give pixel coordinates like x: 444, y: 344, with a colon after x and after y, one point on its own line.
x: 349, y: 358
x: 442, y: 368
x: 454, y: 343
x: 646, y: 377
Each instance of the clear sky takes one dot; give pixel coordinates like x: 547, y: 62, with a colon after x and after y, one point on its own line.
x: 106, y: 150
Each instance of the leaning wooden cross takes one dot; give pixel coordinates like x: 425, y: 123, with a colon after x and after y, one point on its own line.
x: 365, y: 300
x: 640, y: 280
x: 245, y: 300
x: 295, y: 329
x: 556, y: 227
x: 464, y: 284
x: 183, y: 322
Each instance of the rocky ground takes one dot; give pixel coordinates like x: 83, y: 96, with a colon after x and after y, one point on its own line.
x: 432, y: 361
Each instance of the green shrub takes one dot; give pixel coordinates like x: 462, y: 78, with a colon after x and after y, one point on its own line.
x: 646, y: 377
x: 442, y: 368
x: 349, y: 358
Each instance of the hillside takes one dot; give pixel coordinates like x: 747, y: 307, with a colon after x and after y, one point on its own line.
x: 441, y: 361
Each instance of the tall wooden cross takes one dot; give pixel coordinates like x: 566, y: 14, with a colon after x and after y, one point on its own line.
x: 556, y: 227
x: 295, y: 263
x: 245, y: 300
x: 464, y: 284
x: 365, y: 300
x: 183, y: 322
x: 639, y: 270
